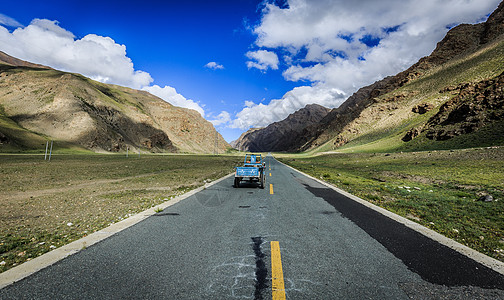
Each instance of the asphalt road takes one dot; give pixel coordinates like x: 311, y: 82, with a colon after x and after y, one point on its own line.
x: 217, y: 245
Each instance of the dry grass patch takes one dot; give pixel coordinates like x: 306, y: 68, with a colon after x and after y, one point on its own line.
x: 48, y: 204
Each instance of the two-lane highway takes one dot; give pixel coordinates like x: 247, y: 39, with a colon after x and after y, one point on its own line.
x: 242, y: 243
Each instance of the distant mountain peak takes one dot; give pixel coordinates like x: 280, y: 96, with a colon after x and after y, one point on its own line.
x: 281, y: 135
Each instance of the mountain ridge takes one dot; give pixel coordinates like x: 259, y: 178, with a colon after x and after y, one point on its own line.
x: 386, y: 105
x: 278, y: 135
x: 38, y: 103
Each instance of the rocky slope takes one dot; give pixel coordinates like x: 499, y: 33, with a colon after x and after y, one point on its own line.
x: 241, y: 141
x: 400, y: 108
x: 280, y: 136
x: 38, y: 104
x: 475, y: 106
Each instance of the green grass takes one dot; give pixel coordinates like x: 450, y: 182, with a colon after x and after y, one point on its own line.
x: 490, y: 135
x: 438, y: 189
x: 40, y: 198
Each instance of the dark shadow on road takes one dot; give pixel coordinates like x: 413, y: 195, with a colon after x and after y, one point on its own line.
x: 434, y: 262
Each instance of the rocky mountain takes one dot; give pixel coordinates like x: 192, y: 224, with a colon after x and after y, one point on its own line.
x: 38, y: 104
x: 239, y: 143
x: 453, y: 94
x: 278, y: 136
x: 474, y: 106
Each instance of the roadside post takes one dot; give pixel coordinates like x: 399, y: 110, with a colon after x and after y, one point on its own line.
x: 50, y: 151
x: 46, y: 146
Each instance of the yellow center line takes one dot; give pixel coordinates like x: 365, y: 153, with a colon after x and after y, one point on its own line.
x: 277, y: 280
x: 271, y: 189
x: 270, y: 174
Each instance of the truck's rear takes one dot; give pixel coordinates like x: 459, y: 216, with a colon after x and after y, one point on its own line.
x: 252, y: 170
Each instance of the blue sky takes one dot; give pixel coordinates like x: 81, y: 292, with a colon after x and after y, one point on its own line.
x: 267, y: 58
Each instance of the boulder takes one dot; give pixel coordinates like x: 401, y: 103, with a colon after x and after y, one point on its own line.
x: 422, y: 108
x: 411, y: 134
x: 486, y: 198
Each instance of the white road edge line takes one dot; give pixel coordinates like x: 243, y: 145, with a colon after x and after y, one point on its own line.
x: 483, y: 259
x: 30, y: 267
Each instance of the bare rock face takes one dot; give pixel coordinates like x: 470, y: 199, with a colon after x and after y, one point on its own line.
x: 244, y: 140
x: 282, y: 136
x: 494, y: 26
x: 474, y: 107
x: 422, y: 108
x: 411, y: 134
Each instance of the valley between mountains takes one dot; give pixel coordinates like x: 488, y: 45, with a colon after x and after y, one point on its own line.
x: 426, y: 144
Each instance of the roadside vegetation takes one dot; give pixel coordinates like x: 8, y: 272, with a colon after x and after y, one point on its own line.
x: 442, y: 190
x: 45, y: 205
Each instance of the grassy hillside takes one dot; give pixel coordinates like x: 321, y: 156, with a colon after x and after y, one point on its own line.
x: 78, y: 113
x: 382, y: 125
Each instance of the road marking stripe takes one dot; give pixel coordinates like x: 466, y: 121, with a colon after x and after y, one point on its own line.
x: 277, y: 280
x: 271, y: 189
x: 270, y: 174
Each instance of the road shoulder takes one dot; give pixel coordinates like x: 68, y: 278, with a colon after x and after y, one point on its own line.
x: 30, y: 267
x: 481, y: 258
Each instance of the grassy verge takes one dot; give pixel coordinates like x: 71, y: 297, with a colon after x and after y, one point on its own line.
x: 438, y: 189
x: 48, y: 204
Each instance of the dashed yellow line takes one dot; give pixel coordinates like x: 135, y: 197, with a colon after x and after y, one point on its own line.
x: 271, y: 189
x: 277, y: 280
x: 270, y: 174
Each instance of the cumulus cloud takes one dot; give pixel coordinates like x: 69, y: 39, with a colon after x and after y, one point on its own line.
x: 213, y: 65
x: 261, y: 115
x: 340, y: 46
x: 170, y: 95
x: 100, y: 58
x: 262, y: 60
x: 223, y: 118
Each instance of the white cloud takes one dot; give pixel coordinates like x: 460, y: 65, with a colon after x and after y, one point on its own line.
x: 100, y: 58
x: 215, y: 66
x: 340, y: 46
x: 8, y: 21
x: 333, y: 32
x: 262, y: 60
x: 261, y: 115
x: 171, y: 96
x: 223, y: 118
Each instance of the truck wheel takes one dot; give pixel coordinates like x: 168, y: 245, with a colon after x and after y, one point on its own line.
x: 236, y: 182
x: 262, y: 181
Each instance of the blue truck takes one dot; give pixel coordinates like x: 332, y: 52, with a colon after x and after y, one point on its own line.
x: 252, y: 170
